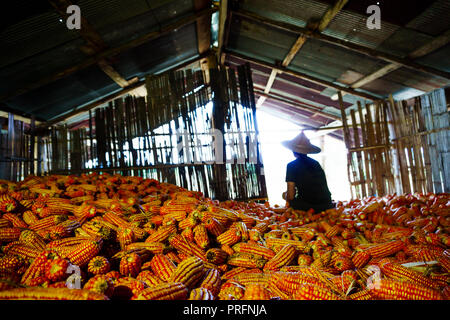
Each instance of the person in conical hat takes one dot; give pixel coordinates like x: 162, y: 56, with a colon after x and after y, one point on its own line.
x: 307, y: 186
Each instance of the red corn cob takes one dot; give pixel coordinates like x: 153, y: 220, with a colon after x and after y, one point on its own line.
x: 38, y: 266
x: 386, y: 249
x: 360, y: 259
x: 188, y: 234
x: 5, y: 223
x: 99, y: 265
x: 165, y: 291
x: 214, y: 226
x: 311, y: 292
x: 81, y: 254
x: 444, y: 262
x: 15, y: 220
x: 188, y: 272
x: 233, y: 272
x: 153, y: 247
x: 229, y: 237
x: 343, y: 263
x: 32, y: 239
x: 56, y: 270
x: 201, y: 294
x: 162, y: 266
x: 36, y: 293
x: 283, y: 257
x: 7, y: 203
x: 360, y: 295
x: 212, y: 281
x: 161, y: 234
x: 290, y: 282
x: 399, y: 272
x: 242, y: 228
x: 216, y: 256
x: 389, y: 289
x: 9, y: 234
x: 48, y: 222
x: 125, y: 236
x: 252, y: 248
x: 21, y: 250
x: 304, y: 260
x: 149, y: 278
x: 130, y: 265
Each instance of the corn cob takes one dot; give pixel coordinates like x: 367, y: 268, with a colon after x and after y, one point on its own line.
x: 188, y: 222
x: 4, y: 223
x: 82, y: 253
x: 125, y: 236
x: 201, y: 294
x: 32, y: 239
x: 165, y: 291
x: 229, y: 250
x: 290, y: 282
x: 444, y: 262
x: 100, y: 284
x: 7, y: 203
x: 95, y: 229
x: 399, y: 272
x: 242, y: 228
x: 22, y: 250
x: 212, y: 281
x: 48, y: 222
x: 360, y: 295
x: 283, y: 257
x: 201, y: 237
x: 161, y: 234
x: 312, y: 292
x: 246, y: 278
x: 216, y: 256
x: 188, y: 272
x: 130, y: 265
x: 11, y: 263
x: 246, y: 260
x: 390, y: 289
x: 304, y: 260
x: 15, y: 220
x: 188, y: 234
x: 257, y: 249
x: 360, y: 259
x: 214, y: 226
x: 99, y: 265
x: 343, y: 263
x: 153, y: 247
x: 256, y: 292
x: 229, y: 237
x: 10, y: 234
x: 162, y: 266
x: 37, y: 267
x: 149, y: 278
x: 56, y: 270
x: 36, y: 293
x: 173, y: 256
x: 385, y: 249
x: 333, y: 231
x: 273, y: 243
x: 231, y: 290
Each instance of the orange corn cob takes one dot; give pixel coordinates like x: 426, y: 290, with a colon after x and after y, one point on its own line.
x: 227, y: 249
x: 216, y: 256
x: 304, y: 260
x: 188, y: 234
x: 246, y: 260
x: 390, y: 289
x: 81, y: 254
x: 162, y: 266
x: 290, y: 282
x: 29, y: 217
x: 5, y: 223
x: 201, y: 237
x: 280, y: 243
x: 201, y: 294
x: 48, y: 222
x: 15, y: 220
x: 36, y: 293
x: 149, y: 278
x: 231, y: 290
x: 10, y: 234
x: 130, y: 265
x: 214, y: 226
x: 165, y: 291
x: 99, y: 265
x: 360, y: 259
x: 333, y: 231
x: 342, y: 263
x: 153, y: 247
x: 256, y: 292
x: 173, y: 256
x: 66, y: 242
x: 125, y: 236
x: 360, y: 295
x: 253, y: 248
x: 188, y: 272
x: 188, y: 222
x: 212, y: 281
x: 283, y: 257
x: 261, y: 227
x: 100, y: 284
x: 444, y: 262
x: 37, y: 267
x: 7, y: 203
x: 386, y: 249
x: 161, y: 234
x: 31, y: 238
x: 229, y: 237
x: 246, y: 278
x: 21, y: 250
x: 99, y: 230
x: 399, y: 272
x: 242, y: 228
x: 11, y: 263
x: 312, y: 292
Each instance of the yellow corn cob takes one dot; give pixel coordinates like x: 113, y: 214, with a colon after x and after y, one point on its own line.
x: 149, y: 278
x: 162, y: 266
x: 36, y: 293
x: 216, y: 256
x: 10, y: 234
x: 229, y: 237
x: 81, y: 254
x: 188, y: 272
x: 312, y: 292
x: 246, y: 260
x: 247, y: 278
x: 360, y: 295
x: 161, y: 234
x: 31, y: 238
x: 165, y: 291
x: 254, y: 248
x: 29, y: 217
x: 256, y: 292
x: 15, y: 220
x: 153, y: 247
x: 201, y: 237
x: 398, y: 272
x: 283, y: 257
x: 212, y: 281
x: 389, y: 289
x: 280, y: 243
x: 201, y: 294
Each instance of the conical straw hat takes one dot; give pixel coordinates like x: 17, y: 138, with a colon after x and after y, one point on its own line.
x: 301, y: 144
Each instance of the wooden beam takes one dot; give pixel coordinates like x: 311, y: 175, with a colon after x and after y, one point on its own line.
x: 304, y: 76
x: 115, y: 95
x: 109, y: 53
x: 223, y: 15
x: 94, y: 41
x: 404, y: 62
x: 203, y: 26
x: 330, y: 14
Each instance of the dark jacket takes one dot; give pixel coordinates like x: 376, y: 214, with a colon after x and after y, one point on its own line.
x: 310, y: 183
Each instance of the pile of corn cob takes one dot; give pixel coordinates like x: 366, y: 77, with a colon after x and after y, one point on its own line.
x: 101, y: 236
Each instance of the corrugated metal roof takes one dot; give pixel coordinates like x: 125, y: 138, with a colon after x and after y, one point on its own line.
x: 434, y: 20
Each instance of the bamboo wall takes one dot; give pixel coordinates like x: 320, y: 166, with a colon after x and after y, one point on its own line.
x: 167, y: 135
x: 398, y: 146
